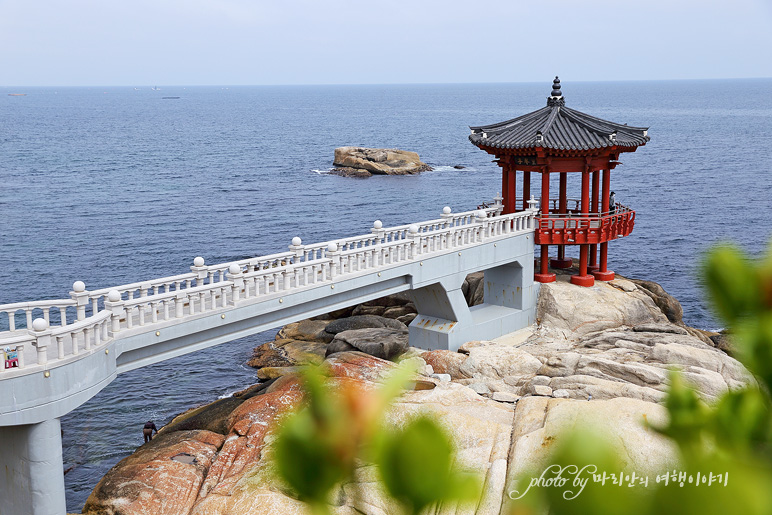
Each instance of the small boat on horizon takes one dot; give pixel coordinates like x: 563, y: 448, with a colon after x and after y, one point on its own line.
x: 169, y: 98
x: 17, y: 94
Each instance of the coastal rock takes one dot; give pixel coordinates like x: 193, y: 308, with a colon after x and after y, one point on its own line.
x: 140, y: 483
x: 540, y: 424
x: 307, y: 330
x: 473, y: 288
x: 579, y: 310
x: 446, y: 362
x: 363, y: 322
x: 379, y: 161
x: 288, y: 353
x: 382, y: 343
x: 669, y: 305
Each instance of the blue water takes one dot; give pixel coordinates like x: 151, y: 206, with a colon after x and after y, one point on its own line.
x: 115, y: 185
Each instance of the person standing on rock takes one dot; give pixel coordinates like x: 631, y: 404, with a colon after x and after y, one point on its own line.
x: 147, y: 431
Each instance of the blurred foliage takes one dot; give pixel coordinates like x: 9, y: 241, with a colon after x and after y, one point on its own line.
x: 341, y: 428
x: 732, y: 437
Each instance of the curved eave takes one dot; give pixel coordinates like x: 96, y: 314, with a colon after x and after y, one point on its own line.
x: 479, y: 141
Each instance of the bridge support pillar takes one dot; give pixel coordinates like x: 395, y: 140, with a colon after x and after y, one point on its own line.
x: 442, y: 311
x: 445, y: 321
x: 31, y: 459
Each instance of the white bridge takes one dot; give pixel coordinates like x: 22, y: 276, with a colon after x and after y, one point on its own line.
x: 63, y: 352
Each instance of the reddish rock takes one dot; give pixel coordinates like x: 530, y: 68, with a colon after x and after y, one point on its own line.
x: 446, y: 362
x: 249, y: 424
x: 358, y: 365
x: 162, y: 476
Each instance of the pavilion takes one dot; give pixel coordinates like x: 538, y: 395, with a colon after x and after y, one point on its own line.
x: 558, y: 139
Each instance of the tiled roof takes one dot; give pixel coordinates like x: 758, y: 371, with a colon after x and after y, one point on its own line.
x: 558, y: 127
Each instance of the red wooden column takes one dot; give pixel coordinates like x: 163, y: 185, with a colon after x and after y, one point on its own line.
x: 544, y: 275
x: 593, y: 265
x: 604, y: 274
x: 509, y: 187
x: 584, y: 279
x: 504, y: 185
x: 561, y: 261
x: 512, y: 190
x: 526, y: 189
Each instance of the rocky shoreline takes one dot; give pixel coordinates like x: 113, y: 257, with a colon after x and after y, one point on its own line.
x: 504, y: 402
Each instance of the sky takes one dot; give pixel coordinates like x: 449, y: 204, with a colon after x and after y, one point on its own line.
x: 254, y: 42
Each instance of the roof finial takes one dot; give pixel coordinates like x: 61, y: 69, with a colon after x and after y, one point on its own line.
x: 556, y: 97
x: 556, y: 87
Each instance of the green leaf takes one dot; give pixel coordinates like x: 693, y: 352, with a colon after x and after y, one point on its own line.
x: 733, y: 283
x: 306, y: 461
x: 415, y: 464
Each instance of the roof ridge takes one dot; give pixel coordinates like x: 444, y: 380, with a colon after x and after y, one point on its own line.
x: 512, y: 121
x: 579, y: 114
x: 550, y: 120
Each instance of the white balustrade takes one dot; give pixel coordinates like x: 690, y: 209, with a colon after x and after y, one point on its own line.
x: 212, y: 287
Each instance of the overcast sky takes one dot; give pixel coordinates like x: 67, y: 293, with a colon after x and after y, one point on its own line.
x: 234, y: 42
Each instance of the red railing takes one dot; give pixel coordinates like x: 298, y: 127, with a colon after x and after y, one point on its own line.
x: 574, y: 228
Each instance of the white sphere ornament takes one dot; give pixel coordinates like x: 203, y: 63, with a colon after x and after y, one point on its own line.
x: 413, y: 229
x: 446, y: 210
x: 296, y: 241
x: 481, y: 214
x: 234, y: 269
x: 78, y: 286
x: 199, y: 261
x: 377, y: 224
x: 114, y: 296
x: 40, y: 324
x: 145, y: 286
x: 332, y: 247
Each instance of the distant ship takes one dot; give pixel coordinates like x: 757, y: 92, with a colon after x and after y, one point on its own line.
x: 156, y: 88
x: 17, y: 94
x: 170, y: 98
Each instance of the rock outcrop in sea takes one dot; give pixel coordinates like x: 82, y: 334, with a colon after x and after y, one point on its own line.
x: 365, y: 162
x: 597, y: 356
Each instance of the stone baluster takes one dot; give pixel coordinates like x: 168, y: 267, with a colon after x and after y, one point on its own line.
x: 60, y: 346
x: 87, y: 338
x: 201, y: 270
x: 115, y: 304
x: 80, y: 295
x: 179, y: 304
x: 20, y: 355
x: 42, y: 333
x: 237, y: 276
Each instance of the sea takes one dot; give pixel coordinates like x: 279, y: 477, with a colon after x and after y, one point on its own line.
x: 112, y: 185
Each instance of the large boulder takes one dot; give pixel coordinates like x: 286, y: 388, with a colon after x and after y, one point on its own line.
x: 362, y: 162
x: 384, y: 343
x: 575, y: 309
x: 288, y: 353
x: 363, y: 322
